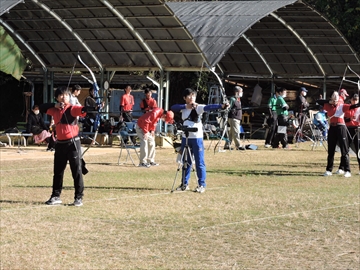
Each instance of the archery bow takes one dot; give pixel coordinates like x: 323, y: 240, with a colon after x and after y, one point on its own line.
x: 358, y: 86
x: 226, y: 111
x: 98, y: 103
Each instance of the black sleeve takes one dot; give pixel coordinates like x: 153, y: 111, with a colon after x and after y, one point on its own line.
x: 355, y: 106
x: 88, y: 109
x: 42, y: 123
x: 44, y: 107
x: 322, y: 101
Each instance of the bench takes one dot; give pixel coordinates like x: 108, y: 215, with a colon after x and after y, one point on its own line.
x: 21, y: 137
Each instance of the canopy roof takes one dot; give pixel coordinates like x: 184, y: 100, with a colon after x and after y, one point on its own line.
x: 253, y: 39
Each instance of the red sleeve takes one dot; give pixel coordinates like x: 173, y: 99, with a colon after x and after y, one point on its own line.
x: 76, y: 111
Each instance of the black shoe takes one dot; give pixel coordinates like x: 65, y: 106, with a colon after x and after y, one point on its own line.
x: 53, y: 201
x: 78, y: 202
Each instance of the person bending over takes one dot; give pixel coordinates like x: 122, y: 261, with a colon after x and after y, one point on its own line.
x: 145, y: 129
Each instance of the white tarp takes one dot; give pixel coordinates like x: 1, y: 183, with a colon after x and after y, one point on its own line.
x: 6, y: 5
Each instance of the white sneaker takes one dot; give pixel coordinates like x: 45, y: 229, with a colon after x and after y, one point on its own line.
x: 267, y: 145
x: 327, y: 173
x: 199, y: 189
x: 347, y: 174
x: 182, y: 188
x: 339, y: 171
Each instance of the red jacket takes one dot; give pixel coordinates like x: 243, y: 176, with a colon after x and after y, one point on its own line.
x: 147, y: 122
x: 148, y: 104
x: 66, y: 130
x: 336, y: 112
x: 127, y: 102
x: 354, y: 116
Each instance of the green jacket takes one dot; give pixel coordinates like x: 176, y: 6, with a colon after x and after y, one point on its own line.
x: 281, y: 106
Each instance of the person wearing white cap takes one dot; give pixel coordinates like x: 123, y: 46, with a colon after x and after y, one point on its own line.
x: 342, y: 95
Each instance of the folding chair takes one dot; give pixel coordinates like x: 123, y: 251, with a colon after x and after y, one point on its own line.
x: 127, y: 137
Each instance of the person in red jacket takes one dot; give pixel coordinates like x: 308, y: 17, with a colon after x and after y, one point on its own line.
x: 352, y: 120
x: 145, y: 129
x: 342, y: 95
x: 148, y: 103
x: 68, y: 147
x: 337, y: 133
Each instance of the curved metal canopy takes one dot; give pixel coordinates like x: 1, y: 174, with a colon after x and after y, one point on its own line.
x: 262, y: 39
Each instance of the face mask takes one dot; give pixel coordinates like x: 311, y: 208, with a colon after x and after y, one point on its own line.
x: 284, y: 95
x: 305, y: 94
x: 240, y: 94
x: 36, y: 112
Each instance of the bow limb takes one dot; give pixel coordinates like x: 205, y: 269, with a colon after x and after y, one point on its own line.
x: 98, y: 103
x: 225, y: 101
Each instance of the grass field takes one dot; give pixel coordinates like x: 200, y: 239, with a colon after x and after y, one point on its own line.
x: 263, y: 209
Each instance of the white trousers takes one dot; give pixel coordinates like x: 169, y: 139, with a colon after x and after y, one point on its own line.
x: 147, y: 147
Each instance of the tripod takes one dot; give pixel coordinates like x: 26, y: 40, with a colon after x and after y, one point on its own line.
x: 305, y: 121
x: 224, y: 134
x: 183, y: 163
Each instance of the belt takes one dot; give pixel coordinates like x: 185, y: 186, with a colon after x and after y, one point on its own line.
x: 70, y: 140
x: 337, y: 124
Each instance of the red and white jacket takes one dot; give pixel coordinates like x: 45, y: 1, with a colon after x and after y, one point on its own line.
x: 336, y: 112
x: 65, y: 130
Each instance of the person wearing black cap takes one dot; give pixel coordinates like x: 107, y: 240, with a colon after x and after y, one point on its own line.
x: 235, y: 116
x: 352, y: 122
x: 301, y: 106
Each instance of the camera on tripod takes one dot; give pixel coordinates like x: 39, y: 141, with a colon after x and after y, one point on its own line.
x: 188, y: 129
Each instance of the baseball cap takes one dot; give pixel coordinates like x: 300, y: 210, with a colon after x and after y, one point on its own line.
x: 303, y: 89
x: 169, y: 117
x: 343, y: 91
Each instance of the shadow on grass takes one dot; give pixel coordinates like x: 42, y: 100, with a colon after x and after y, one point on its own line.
x: 95, y: 187
x: 21, y: 202
x: 34, y: 203
x: 267, y: 173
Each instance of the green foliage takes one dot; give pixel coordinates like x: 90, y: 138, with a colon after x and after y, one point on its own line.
x: 345, y: 15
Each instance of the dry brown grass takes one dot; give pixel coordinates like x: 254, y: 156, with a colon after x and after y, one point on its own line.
x: 263, y: 209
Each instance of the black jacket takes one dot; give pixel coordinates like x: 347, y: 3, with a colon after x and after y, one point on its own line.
x: 35, y: 122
